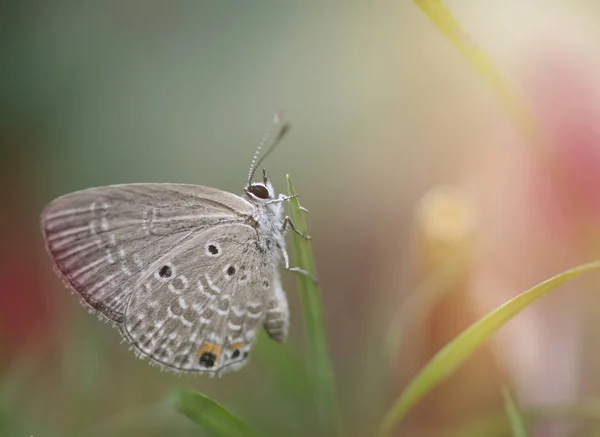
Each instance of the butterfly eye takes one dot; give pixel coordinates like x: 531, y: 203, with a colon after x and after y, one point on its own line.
x: 260, y: 191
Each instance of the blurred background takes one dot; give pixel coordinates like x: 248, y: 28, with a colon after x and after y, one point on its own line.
x: 406, y: 159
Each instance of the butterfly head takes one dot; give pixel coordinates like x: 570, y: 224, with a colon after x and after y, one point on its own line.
x: 260, y: 192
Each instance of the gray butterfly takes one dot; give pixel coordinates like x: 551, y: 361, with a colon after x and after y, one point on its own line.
x: 188, y: 273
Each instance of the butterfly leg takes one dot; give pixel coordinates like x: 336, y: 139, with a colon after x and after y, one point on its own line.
x: 283, y: 198
x: 286, y: 260
x: 287, y: 221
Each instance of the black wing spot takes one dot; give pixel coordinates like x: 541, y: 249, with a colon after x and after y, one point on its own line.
x: 165, y: 272
x: 235, y: 354
x: 208, y: 359
x: 230, y: 270
x: 213, y: 250
x: 246, y: 355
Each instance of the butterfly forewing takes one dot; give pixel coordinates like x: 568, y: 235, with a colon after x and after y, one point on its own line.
x: 200, y: 307
x: 102, y: 240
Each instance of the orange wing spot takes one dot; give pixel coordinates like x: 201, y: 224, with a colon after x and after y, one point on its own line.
x: 237, y: 345
x: 211, y: 348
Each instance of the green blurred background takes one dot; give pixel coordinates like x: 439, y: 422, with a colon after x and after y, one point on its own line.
x: 383, y: 110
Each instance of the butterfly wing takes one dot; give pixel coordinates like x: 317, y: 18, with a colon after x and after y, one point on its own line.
x: 103, y: 239
x: 204, y: 316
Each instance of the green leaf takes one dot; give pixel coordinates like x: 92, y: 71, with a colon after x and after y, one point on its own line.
x: 458, y: 350
x: 517, y: 423
x: 318, y: 360
x: 211, y: 416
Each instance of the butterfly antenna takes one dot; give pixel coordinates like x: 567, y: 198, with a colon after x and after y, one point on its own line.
x: 256, y: 161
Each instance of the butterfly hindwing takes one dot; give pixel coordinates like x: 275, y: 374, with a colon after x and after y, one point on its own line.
x: 199, y: 309
x: 102, y: 240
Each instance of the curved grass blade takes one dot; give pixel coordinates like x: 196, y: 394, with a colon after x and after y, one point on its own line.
x: 458, y: 350
x: 517, y: 422
x: 515, y: 104
x: 445, y: 21
x: 211, y: 416
x: 319, y: 362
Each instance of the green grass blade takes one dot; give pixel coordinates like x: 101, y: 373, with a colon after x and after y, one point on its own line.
x: 451, y: 28
x: 211, y: 416
x: 517, y: 107
x: 458, y: 350
x: 319, y: 362
x: 517, y: 422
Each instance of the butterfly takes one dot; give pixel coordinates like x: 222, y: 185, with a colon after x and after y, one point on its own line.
x: 189, y: 274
